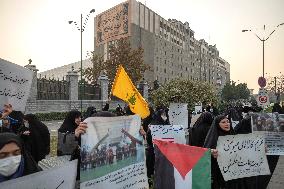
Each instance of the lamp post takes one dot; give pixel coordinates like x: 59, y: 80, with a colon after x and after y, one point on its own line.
x: 263, y: 40
x: 81, y: 29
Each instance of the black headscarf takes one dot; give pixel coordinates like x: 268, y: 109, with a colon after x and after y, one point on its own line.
x: 201, y: 128
x: 69, y: 124
x: 40, y: 137
x: 90, y: 111
x: 215, y: 131
x: 30, y: 165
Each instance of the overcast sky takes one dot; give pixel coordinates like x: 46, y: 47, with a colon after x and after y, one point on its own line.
x: 39, y: 29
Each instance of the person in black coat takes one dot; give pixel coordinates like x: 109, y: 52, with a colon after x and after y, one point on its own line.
x: 160, y: 117
x: 39, y: 137
x: 21, y: 163
x: 71, y: 122
x: 221, y: 127
x: 200, y: 129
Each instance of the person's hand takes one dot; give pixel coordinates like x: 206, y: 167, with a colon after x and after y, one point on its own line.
x: 142, y: 132
x: 26, y: 133
x: 214, y: 153
x: 81, y: 129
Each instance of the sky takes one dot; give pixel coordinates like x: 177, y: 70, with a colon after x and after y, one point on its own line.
x: 39, y: 30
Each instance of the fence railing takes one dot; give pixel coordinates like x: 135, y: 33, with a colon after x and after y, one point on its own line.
x: 52, y: 89
x: 89, y: 91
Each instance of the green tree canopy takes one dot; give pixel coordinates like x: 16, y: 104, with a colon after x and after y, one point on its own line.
x: 184, y: 91
x: 232, y: 92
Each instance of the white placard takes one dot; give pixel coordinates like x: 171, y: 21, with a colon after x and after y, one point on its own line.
x: 113, y: 154
x: 178, y: 114
x: 242, y: 156
x: 62, y: 177
x: 15, y: 82
x: 172, y: 133
x: 271, y: 125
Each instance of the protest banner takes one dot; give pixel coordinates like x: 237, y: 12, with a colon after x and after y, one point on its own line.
x: 112, y: 154
x: 171, y: 133
x: 179, y: 166
x: 178, y: 114
x: 62, y: 177
x: 242, y: 156
x: 271, y: 125
x: 15, y: 82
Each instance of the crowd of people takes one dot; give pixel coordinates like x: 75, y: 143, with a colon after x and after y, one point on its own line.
x: 25, y: 140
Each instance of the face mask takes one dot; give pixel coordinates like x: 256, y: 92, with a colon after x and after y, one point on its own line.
x: 9, y: 165
x: 27, y: 125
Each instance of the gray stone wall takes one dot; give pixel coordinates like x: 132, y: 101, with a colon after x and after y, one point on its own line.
x: 45, y: 106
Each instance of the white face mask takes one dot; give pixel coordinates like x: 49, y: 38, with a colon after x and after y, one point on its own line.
x: 27, y: 125
x: 9, y: 165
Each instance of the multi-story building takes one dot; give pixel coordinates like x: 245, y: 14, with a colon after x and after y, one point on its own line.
x: 170, y: 48
x: 61, y: 72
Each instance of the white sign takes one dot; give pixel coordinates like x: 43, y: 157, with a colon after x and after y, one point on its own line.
x: 178, y: 114
x: 234, y: 123
x: 242, y: 156
x: 113, y: 154
x: 262, y: 97
x: 271, y: 125
x: 172, y: 133
x: 15, y: 82
x: 62, y: 177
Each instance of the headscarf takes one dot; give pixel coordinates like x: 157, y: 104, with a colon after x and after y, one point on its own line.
x: 157, y: 119
x: 69, y: 124
x: 90, y: 111
x: 200, y: 129
x: 215, y: 131
x: 6, y: 138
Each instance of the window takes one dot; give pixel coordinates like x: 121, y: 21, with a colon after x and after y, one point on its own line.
x: 165, y: 71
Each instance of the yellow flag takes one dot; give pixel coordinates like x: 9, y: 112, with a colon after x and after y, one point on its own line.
x: 124, y: 89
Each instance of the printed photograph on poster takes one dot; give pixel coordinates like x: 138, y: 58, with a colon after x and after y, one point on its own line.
x: 271, y: 122
x: 112, y: 153
x: 272, y: 126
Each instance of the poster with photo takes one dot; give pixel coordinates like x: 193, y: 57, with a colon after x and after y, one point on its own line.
x: 271, y: 125
x: 113, y: 154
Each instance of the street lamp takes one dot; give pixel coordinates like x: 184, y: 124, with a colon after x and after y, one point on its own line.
x: 81, y: 29
x: 263, y: 40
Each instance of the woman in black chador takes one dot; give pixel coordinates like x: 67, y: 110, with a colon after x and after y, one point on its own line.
x: 200, y: 129
x: 222, y: 127
x: 39, y: 137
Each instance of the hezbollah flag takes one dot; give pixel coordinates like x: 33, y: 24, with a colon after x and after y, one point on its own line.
x: 124, y: 89
x: 179, y: 166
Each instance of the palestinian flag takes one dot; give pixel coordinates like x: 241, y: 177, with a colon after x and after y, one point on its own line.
x: 179, y: 166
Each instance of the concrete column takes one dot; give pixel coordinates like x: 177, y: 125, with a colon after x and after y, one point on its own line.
x: 145, y: 89
x: 103, y: 82
x: 72, y: 77
x: 33, y: 91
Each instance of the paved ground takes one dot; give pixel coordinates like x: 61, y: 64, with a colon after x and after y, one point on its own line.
x: 276, y: 182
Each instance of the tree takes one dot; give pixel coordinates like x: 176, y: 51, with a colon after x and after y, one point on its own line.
x: 131, y: 59
x: 232, y: 92
x: 276, y: 84
x: 184, y: 91
x: 98, y: 65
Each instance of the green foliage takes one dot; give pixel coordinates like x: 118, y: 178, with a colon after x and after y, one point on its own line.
x: 232, y: 92
x: 92, y: 73
x: 184, y: 91
x: 51, y: 116
x: 119, y: 53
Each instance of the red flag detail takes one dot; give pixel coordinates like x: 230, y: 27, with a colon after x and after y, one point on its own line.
x: 183, y: 157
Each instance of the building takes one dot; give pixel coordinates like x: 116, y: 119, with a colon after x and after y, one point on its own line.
x: 61, y: 72
x: 170, y: 48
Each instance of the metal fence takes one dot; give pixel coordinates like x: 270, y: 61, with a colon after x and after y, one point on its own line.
x: 52, y: 89
x: 89, y: 91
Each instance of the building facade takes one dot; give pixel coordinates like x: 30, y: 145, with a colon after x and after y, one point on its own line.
x: 170, y: 48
